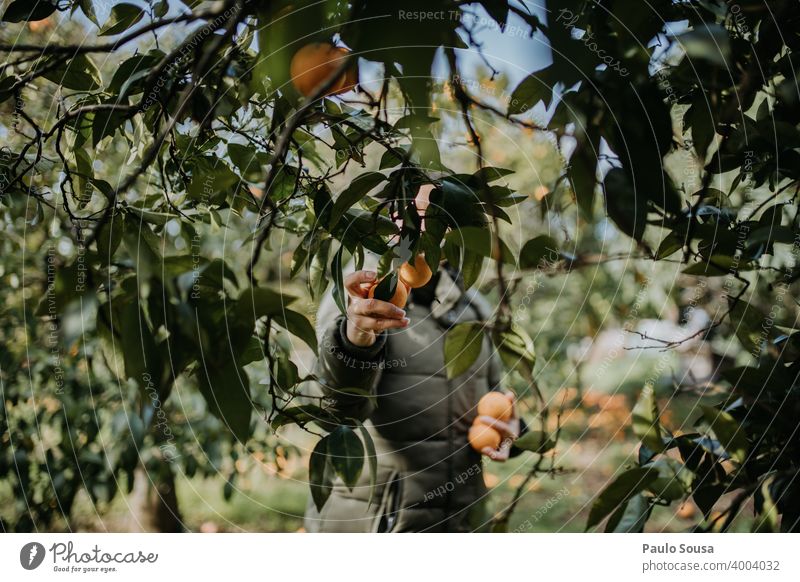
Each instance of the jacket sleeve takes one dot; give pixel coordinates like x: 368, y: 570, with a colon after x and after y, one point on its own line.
x: 349, y: 374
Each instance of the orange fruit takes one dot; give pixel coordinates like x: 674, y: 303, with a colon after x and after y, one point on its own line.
x: 481, y: 436
x: 349, y: 81
x: 314, y: 63
x: 416, y: 275
x: 496, y: 405
x: 686, y: 510
x: 40, y: 25
x: 400, y: 296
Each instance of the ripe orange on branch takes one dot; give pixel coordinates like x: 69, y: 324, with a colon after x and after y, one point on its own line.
x: 416, y: 275
x: 313, y: 64
x: 399, y: 298
x: 496, y: 405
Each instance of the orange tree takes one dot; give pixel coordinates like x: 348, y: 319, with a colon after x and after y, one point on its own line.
x: 125, y: 150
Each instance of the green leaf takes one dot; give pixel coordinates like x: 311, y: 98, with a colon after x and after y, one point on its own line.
x: 748, y: 323
x: 716, y: 266
x: 338, y: 281
x: 346, y: 453
x: 624, y: 487
x: 646, y: 426
x: 516, y: 350
x: 708, y: 42
x: 161, y: 8
x: 671, y: 244
x: 538, y: 252
x: 256, y: 302
x: 372, y: 457
x: 299, y: 325
x: 728, y: 432
x: 122, y: 17
x: 582, y: 173
x: 630, y: 517
x: 357, y: 189
x: 69, y: 284
x: 105, y: 123
x: 301, y: 415
x: 462, y: 346
x: 768, y: 517
x: 87, y: 6
x: 319, y: 475
x: 129, y: 76
x: 387, y: 286
x: 29, y: 10
x: 674, y: 479
x: 226, y: 390
x: 535, y: 441
x: 532, y: 89
x: 318, y: 269
x: 625, y: 205
x: 109, y: 237
x: 212, y: 180
x: 479, y: 240
x: 701, y: 119
x: 78, y: 73
x: 247, y: 159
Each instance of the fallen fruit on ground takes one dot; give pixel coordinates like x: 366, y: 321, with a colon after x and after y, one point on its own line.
x: 496, y: 405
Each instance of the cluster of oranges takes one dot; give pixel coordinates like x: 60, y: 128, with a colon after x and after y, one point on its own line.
x: 497, y: 406
x: 313, y: 64
x: 409, y: 277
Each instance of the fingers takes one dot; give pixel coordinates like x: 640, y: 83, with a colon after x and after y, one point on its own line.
x: 375, y: 308
x: 500, y: 455
x: 508, y: 430
x: 370, y: 324
x: 353, y: 282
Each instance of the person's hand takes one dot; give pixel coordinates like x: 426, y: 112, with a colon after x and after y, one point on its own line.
x: 509, y: 431
x: 366, y: 318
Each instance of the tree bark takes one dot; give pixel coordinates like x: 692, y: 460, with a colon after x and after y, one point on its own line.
x: 154, y: 502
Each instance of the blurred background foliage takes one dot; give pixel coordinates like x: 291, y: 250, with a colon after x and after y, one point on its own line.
x: 164, y: 199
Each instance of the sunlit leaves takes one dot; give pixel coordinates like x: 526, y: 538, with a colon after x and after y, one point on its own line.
x: 728, y: 432
x: 646, y: 426
x: 516, y: 350
x: 535, y: 441
x: 674, y: 480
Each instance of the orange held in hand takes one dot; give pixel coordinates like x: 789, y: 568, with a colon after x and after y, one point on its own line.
x: 481, y: 436
x: 417, y: 275
x: 496, y: 405
x: 400, y: 296
x: 313, y: 64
